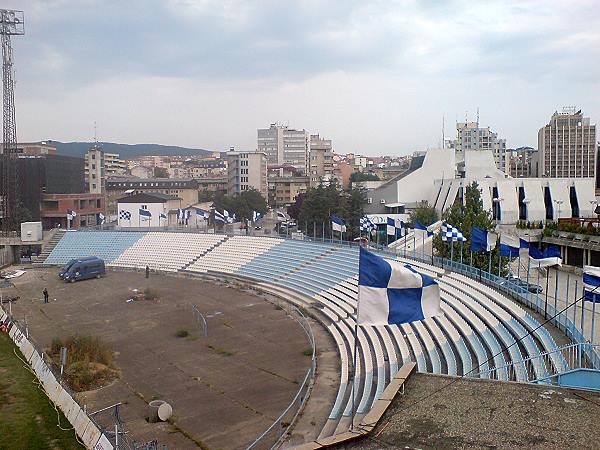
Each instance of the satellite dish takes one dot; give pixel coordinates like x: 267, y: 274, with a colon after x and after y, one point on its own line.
x: 164, y: 412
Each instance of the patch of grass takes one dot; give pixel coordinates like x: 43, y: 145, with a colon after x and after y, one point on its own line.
x: 90, y: 362
x: 150, y: 294
x: 220, y: 351
x: 27, y: 418
x: 307, y: 352
x: 192, y: 338
x: 181, y: 333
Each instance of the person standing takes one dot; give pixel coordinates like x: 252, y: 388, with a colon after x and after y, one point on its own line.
x: 45, y: 295
x: 147, y: 271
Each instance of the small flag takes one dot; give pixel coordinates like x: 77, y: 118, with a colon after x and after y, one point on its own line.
x: 71, y: 214
x: 101, y: 218
x: 256, y: 216
x: 450, y: 233
x: 124, y: 215
x: 219, y: 217
x: 482, y: 240
x: 591, y: 283
x: 162, y: 216
x: 509, y: 245
x: 366, y: 224
x: 338, y: 224
x: 201, y: 214
x: 390, y: 292
x: 145, y: 214
x: 281, y: 216
x: 549, y: 257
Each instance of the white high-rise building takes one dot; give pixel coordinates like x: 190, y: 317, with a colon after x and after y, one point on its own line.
x: 469, y: 136
x: 98, y: 166
x: 285, y: 146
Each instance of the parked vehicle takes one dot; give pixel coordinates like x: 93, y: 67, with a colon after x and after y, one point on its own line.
x: 83, y: 270
x: 67, y: 266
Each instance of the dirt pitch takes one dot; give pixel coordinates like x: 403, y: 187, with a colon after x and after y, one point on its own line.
x: 225, y: 389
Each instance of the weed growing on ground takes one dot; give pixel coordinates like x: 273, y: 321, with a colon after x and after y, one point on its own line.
x: 181, y: 333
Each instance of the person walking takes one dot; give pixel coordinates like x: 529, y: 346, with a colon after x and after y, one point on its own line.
x: 147, y: 271
x: 45, y: 295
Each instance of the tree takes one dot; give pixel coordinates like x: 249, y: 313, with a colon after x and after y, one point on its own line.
x: 424, y: 214
x: 294, y: 209
x: 320, y: 202
x: 464, y: 217
x: 361, y: 176
x: 241, y: 205
x: 161, y: 172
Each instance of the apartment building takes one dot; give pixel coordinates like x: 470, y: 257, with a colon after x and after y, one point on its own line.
x: 246, y: 170
x: 567, y: 146
x: 98, y: 166
x: 321, y: 160
x: 284, y: 145
x: 470, y: 136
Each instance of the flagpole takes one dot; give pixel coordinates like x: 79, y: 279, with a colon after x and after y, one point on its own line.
x: 323, y: 235
x: 555, y: 292
x: 451, y: 253
x: 567, y: 301
x: 593, y: 319
x: 405, y: 236
x: 354, y: 369
x: 490, y: 262
x: 582, y: 307
x: 499, y: 263
x: 471, y: 260
x: 538, y: 280
x: 461, y: 253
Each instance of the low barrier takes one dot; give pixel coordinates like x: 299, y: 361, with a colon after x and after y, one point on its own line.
x: 88, y: 432
x: 277, y: 431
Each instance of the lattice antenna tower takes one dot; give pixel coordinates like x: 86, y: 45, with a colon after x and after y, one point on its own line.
x: 11, y: 24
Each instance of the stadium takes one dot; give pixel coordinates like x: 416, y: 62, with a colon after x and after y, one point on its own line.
x: 487, y: 346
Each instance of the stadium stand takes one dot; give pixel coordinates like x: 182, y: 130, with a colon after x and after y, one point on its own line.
x: 475, y: 333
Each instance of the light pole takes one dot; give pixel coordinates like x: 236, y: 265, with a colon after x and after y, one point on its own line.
x: 558, y: 202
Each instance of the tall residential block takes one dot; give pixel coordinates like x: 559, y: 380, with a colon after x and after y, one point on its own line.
x: 321, y: 160
x: 470, y: 136
x: 285, y: 146
x: 98, y: 166
x: 246, y: 170
x: 567, y: 146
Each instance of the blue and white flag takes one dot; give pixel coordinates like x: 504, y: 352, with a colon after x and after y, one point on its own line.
x: 124, y: 215
x: 101, y: 218
x: 591, y: 283
x: 201, y: 214
x: 219, y: 217
x: 256, y: 216
x: 390, y: 292
x: 281, y: 216
x: 421, y: 229
x: 450, y: 233
x: 338, y: 224
x: 71, y: 214
x: 393, y: 225
x: 366, y: 224
x: 523, y: 244
x: 509, y: 245
x: 230, y: 218
x: 162, y: 216
x: 145, y: 214
x: 188, y: 214
x: 549, y: 257
x: 482, y: 240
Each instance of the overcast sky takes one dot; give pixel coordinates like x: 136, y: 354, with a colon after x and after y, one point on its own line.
x: 375, y: 77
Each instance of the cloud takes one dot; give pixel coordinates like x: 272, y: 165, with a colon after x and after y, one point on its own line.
x: 311, y: 62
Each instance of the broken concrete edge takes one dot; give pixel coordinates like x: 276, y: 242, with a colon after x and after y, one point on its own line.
x: 370, y: 420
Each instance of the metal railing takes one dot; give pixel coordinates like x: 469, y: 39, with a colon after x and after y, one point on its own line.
x: 200, y: 320
x: 570, y: 357
x: 274, y: 436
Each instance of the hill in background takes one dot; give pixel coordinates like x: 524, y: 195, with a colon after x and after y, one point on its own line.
x: 125, y: 151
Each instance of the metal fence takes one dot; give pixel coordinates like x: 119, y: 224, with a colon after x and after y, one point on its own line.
x: 274, y: 436
x: 543, y: 368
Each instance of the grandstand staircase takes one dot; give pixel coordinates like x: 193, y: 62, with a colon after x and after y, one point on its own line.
x: 208, y: 250
x: 47, y: 248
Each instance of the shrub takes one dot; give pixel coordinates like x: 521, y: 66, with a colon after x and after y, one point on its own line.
x: 150, y: 294
x: 307, y: 352
x: 90, y: 361
x: 182, y: 333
